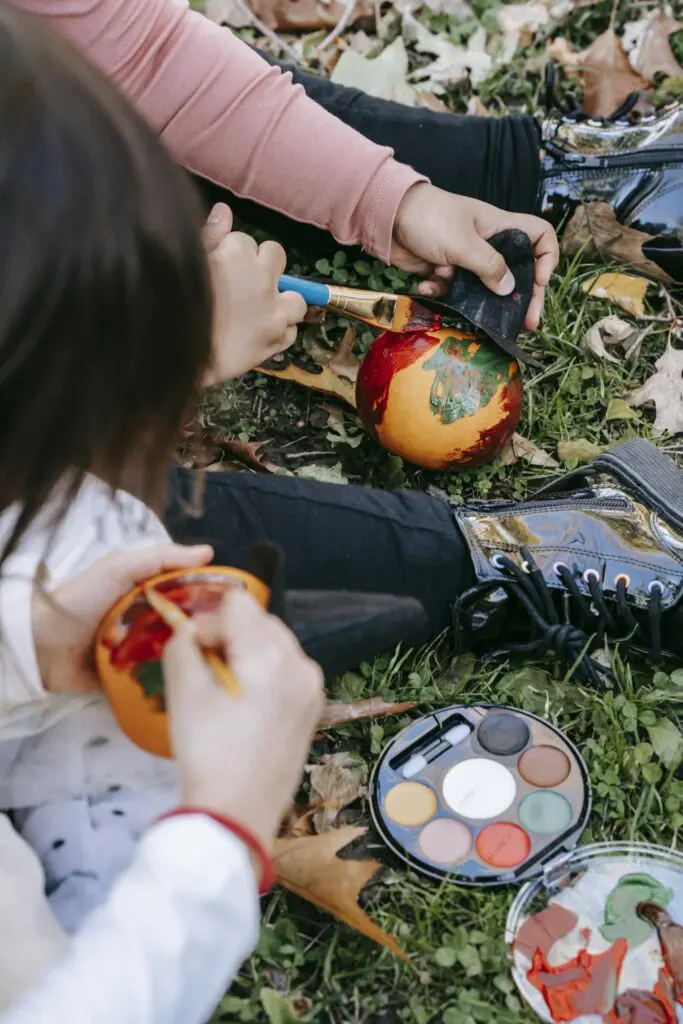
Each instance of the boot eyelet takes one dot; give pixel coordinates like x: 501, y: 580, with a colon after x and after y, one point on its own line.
x: 655, y: 585
x: 591, y: 574
x: 559, y: 565
x: 623, y: 576
x: 497, y: 561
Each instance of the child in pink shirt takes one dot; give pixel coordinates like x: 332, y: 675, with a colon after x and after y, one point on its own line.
x: 234, y: 120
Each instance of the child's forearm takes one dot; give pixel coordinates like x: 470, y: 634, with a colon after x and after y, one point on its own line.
x: 230, y: 117
x: 167, y: 943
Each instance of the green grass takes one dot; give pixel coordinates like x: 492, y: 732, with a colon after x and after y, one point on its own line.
x: 308, y: 967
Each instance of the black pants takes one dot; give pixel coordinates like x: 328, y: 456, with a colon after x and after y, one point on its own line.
x: 335, y: 537
x: 495, y: 159
x: 351, y: 538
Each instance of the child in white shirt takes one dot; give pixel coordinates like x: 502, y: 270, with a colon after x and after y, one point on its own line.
x: 107, y: 325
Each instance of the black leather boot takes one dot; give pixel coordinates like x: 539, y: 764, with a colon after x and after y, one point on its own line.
x: 596, y: 555
x: 635, y: 164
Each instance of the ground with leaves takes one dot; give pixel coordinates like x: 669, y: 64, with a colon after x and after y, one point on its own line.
x: 610, y: 371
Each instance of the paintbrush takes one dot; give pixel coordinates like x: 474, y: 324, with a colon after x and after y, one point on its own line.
x: 379, y: 309
x: 174, y: 616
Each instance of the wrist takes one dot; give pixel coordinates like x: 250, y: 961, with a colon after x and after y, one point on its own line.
x: 256, y: 819
x: 259, y: 854
x: 404, y: 212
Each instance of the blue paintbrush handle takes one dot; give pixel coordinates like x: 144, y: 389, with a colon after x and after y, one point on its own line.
x: 313, y: 292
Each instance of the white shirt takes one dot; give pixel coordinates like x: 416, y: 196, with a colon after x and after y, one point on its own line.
x: 168, y: 941
x: 183, y: 917
x: 96, y: 523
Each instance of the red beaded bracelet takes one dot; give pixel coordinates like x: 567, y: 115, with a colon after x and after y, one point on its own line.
x: 256, y: 847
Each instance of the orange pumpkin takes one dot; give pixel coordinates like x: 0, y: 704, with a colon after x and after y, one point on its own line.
x: 132, y: 636
x: 441, y: 399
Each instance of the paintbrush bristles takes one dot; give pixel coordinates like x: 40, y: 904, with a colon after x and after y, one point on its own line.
x: 397, y: 313
x: 174, y: 617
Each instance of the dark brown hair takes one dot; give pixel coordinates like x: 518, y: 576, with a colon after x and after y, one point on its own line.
x: 105, y: 300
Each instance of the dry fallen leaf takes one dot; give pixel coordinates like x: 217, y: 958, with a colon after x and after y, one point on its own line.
x: 327, y: 382
x: 323, y: 474
x: 594, y: 229
x: 343, y: 362
x: 310, y: 868
x: 285, y: 15
x: 607, y: 76
x: 610, y: 330
x: 459, y: 9
x: 432, y: 102
x: 248, y: 452
x: 579, y: 450
x: 336, y: 781
x: 665, y: 390
x: 561, y: 51
x: 522, y: 21
x: 519, y: 447
x: 385, y: 76
x: 475, y: 107
x: 336, y: 713
x: 626, y: 290
x: 453, y: 63
x: 647, y: 41
x: 618, y: 409
x: 337, y: 378
x: 613, y: 331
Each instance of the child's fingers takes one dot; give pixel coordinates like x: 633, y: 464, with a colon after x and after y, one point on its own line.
x: 292, y: 308
x: 187, y: 678
x: 218, y: 225
x: 274, y: 257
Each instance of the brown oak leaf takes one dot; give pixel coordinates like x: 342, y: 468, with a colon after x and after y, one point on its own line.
x: 310, y: 868
x: 595, y: 230
x: 606, y: 75
x: 337, y: 713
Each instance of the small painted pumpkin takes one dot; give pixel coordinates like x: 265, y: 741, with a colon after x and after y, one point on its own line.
x: 132, y: 636
x: 439, y: 398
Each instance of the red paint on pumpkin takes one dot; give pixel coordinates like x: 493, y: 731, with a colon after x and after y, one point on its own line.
x: 391, y: 352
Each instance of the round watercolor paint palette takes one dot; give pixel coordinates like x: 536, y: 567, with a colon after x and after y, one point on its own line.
x: 480, y: 795
x: 582, y: 951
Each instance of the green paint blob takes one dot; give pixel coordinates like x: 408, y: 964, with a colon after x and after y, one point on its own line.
x: 464, y: 383
x: 545, y: 813
x: 621, y: 920
x: 150, y: 675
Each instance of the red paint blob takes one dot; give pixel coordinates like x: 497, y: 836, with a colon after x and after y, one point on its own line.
x: 503, y: 845
x: 391, y: 352
x: 146, y: 634
x: 588, y: 984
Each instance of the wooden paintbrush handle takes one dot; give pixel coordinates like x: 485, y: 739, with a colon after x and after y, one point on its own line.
x: 174, y: 616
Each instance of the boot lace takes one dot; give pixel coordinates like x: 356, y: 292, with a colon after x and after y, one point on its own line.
x: 585, y: 623
x: 571, y: 109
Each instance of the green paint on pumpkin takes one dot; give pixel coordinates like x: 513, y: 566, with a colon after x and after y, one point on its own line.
x: 621, y: 919
x: 150, y: 676
x: 464, y: 382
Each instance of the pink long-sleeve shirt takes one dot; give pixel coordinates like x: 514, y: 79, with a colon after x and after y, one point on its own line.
x: 228, y: 116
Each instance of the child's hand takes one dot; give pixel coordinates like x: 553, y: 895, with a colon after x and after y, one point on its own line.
x: 65, y: 620
x: 242, y: 757
x: 435, y: 231
x: 252, y: 320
